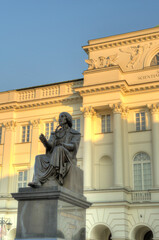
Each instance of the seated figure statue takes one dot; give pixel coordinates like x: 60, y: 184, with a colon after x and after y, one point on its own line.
x: 61, y: 150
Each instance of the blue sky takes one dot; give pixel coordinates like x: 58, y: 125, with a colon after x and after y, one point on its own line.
x: 41, y: 40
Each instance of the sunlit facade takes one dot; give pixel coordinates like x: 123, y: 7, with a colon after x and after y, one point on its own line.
x: 116, y: 109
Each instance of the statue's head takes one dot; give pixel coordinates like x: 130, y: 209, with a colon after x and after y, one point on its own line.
x: 68, y: 118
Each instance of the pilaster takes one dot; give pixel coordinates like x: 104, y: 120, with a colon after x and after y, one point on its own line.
x: 117, y: 145
x: 124, y: 116
x: 154, y: 108
x: 8, y: 154
x: 87, y: 153
x: 34, y: 142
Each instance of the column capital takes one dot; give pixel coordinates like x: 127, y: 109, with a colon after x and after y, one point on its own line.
x: 35, y: 123
x: 11, y: 125
x: 88, y: 111
x: 117, y: 107
x: 154, y: 108
x: 125, y: 112
x: 56, y: 118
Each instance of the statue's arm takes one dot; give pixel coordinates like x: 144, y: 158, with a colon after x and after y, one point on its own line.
x: 68, y: 146
x: 74, y: 144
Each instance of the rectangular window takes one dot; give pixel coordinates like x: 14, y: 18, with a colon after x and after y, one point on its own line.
x: 76, y: 124
x: 22, y: 179
x: 49, y: 127
x: 0, y: 135
x: 106, y: 123
x: 140, y: 121
x: 26, y: 133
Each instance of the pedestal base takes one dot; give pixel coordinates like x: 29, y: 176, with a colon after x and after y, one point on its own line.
x: 50, y: 213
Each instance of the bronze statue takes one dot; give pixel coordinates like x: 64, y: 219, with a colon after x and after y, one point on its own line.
x: 61, y: 150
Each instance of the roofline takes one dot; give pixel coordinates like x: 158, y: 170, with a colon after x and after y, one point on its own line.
x: 121, y: 34
x: 45, y: 85
x: 120, y: 37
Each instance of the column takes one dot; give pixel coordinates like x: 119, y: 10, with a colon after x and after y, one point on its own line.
x: 117, y: 145
x: 155, y: 143
x: 34, y: 143
x: 87, y: 146
x: 8, y: 154
x: 126, y: 168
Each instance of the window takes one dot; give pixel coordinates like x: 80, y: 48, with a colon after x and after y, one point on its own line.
x: 26, y: 133
x: 155, y: 60
x: 140, y: 121
x: 142, y: 172
x: 76, y: 124
x: 22, y: 178
x: 49, y: 127
x: 105, y: 123
x: 0, y: 135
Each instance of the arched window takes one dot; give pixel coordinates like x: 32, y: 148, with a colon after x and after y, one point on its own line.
x: 155, y: 60
x: 104, y: 173
x: 142, y: 171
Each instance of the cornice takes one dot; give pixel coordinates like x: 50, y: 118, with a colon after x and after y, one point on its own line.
x: 41, y: 103
x: 103, y: 87
x: 122, y: 42
x: 122, y: 86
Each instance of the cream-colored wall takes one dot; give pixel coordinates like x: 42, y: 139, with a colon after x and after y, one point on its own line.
x: 116, y: 90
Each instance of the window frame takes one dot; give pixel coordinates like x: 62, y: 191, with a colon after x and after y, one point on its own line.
x: 143, y: 179
x: 107, y: 129
x: 25, y: 135
x: 50, y: 129
x: 23, y: 181
x: 75, y: 126
x: 140, y: 122
x: 155, y: 58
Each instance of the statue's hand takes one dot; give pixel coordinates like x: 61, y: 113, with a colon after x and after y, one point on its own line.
x: 42, y: 138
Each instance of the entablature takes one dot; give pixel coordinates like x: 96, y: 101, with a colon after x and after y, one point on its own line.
x: 40, y: 96
x: 121, y: 86
x: 41, y: 103
x: 122, y: 39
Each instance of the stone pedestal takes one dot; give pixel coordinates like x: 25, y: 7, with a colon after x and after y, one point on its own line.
x: 52, y: 211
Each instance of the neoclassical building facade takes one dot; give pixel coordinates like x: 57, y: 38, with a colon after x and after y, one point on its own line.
x: 116, y: 109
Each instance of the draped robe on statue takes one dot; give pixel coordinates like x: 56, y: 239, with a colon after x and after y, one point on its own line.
x: 58, y: 158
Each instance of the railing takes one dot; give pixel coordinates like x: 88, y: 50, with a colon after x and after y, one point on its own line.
x: 141, y: 196
x: 50, y: 91
x: 26, y: 95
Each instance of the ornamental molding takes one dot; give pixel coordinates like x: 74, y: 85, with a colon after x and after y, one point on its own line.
x: 106, y: 87
x: 35, y: 123
x: 120, y: 108
x: 125, y: 112
x: 32, y: 104
x: 102, y: 62
x: 117, y: 107
x: 154, y: 108
x: 88, y: 111
x: 118, y: 86
x: 122, y: 42
x: 11, y: 125
x: 135, y: 53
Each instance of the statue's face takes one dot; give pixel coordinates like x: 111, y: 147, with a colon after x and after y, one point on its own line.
x: 62, y: 119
